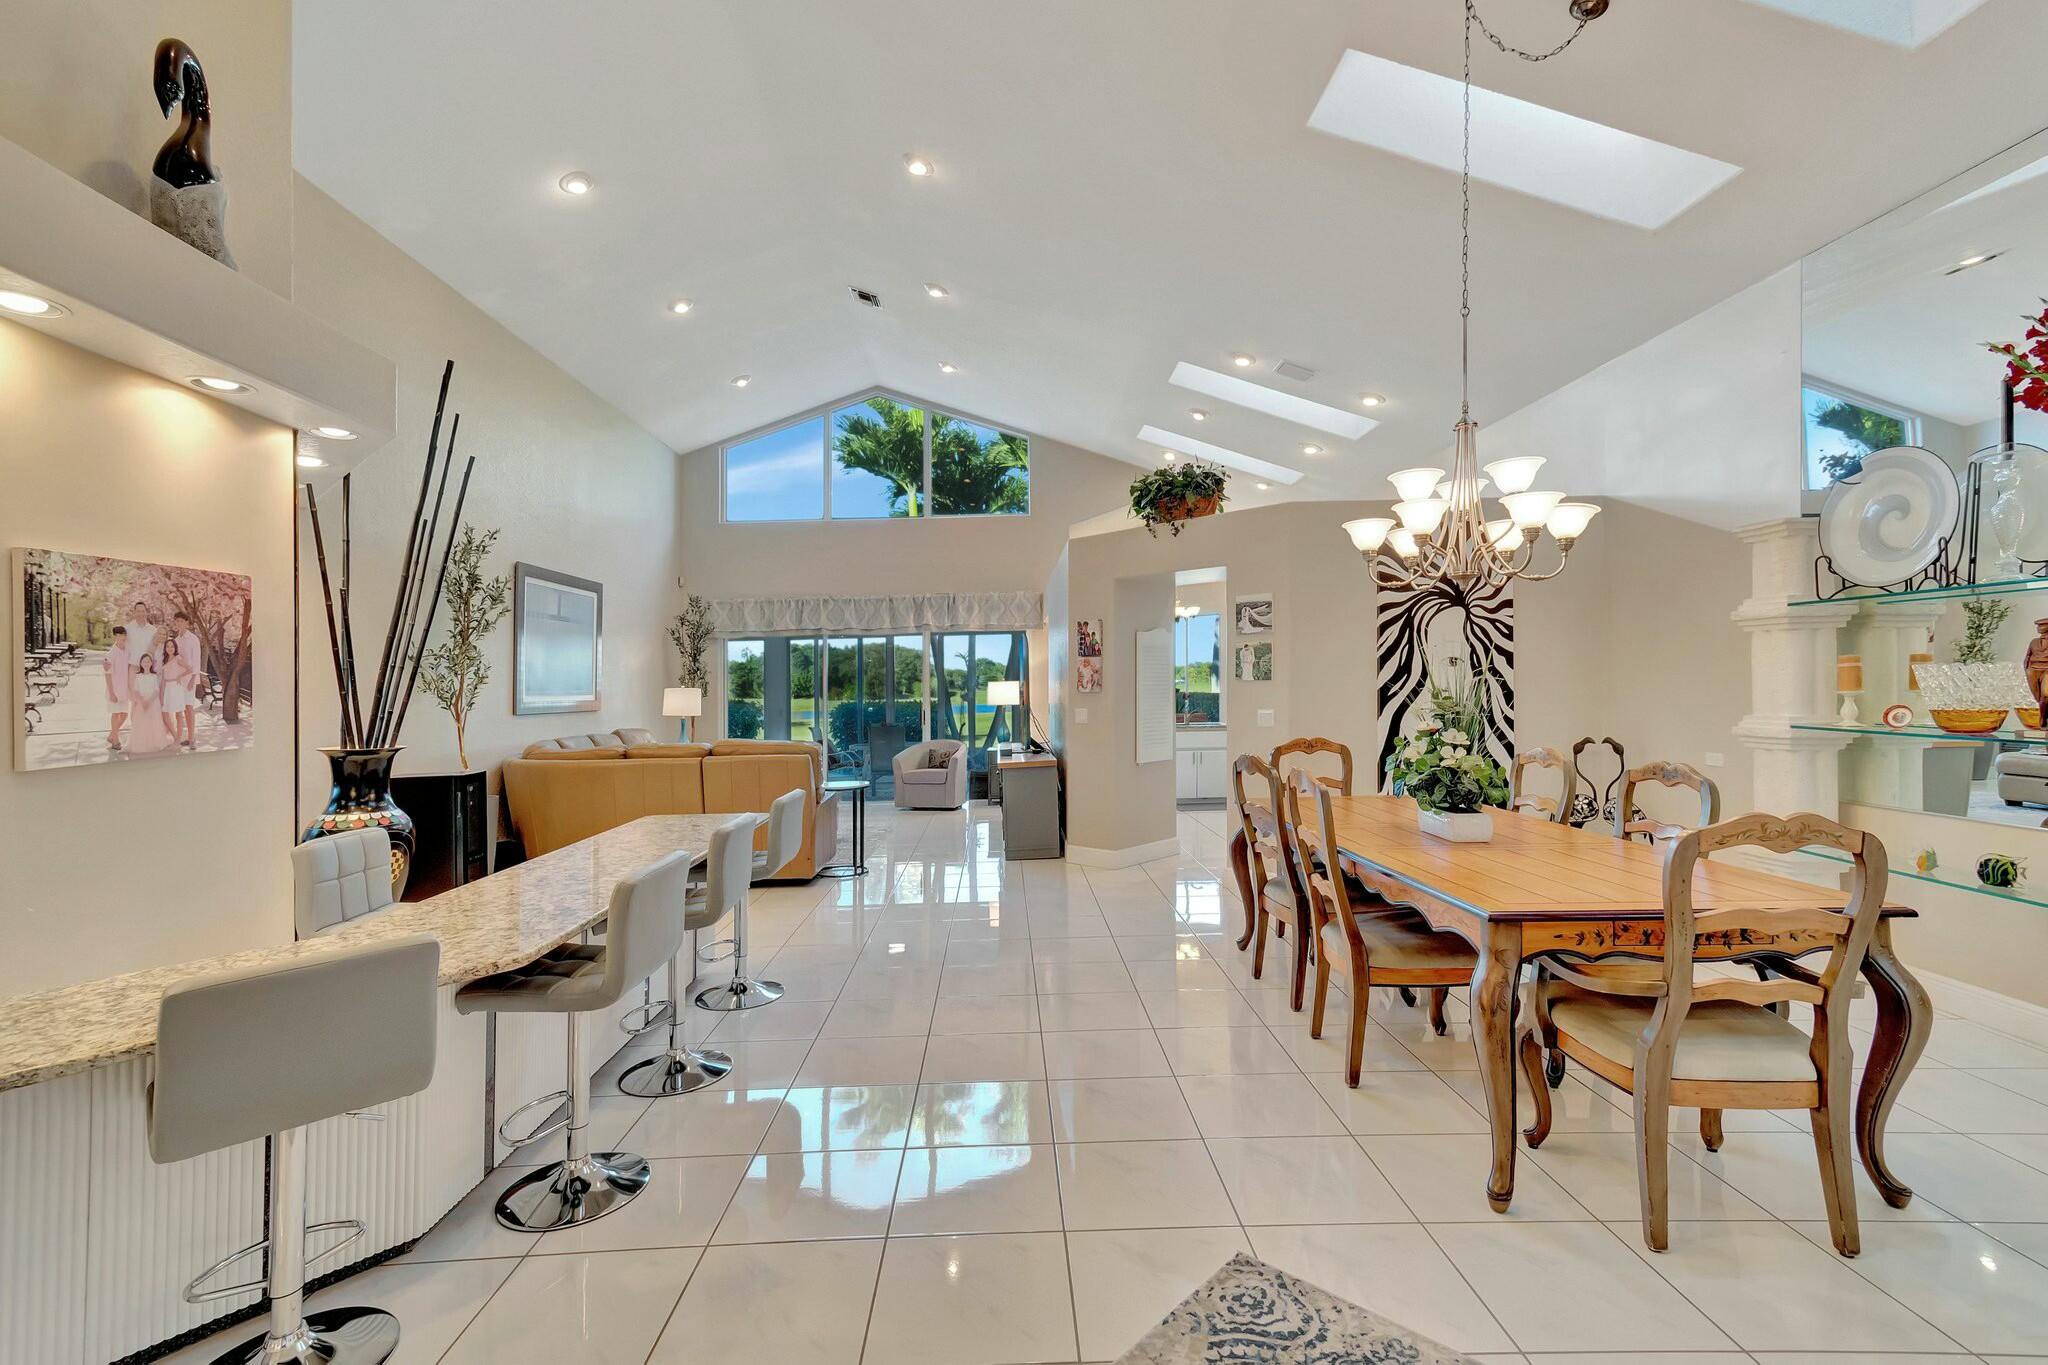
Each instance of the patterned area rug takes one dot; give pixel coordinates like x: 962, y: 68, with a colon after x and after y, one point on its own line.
x: 1251, y: 1312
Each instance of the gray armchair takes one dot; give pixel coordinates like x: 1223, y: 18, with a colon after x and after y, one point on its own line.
x: 920, y: 786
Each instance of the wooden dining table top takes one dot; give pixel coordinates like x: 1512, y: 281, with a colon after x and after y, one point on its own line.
x: 1534, y: 868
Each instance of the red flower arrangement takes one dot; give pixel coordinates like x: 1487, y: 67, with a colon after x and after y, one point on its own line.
x: 2027, y: 369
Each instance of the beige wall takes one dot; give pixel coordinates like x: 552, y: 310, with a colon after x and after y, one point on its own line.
x: 114, y: 868
x: 75, y: 90
x: 571, y: 484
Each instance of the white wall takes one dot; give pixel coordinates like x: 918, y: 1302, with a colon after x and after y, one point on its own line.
x: 571, y: 483
x: 128, y: 865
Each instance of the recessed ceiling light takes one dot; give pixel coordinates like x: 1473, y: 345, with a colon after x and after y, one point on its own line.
x: 1198, y: 414
x: 1166, y: 457
x: 1521, y: 146
x: 335, y: 433
x: 1262, y: 487
x: 1243, y: 361
x: 30, y: 305
x: 740, y: 381
x: 917, y: 165
x: 218, y: 385
x: 1311, y: 449
x: 938, y: 291
x: 948, y: 367
x: 1371, y: 400
x: 1289, y: 407
x: 680, y: 307
x: 576, y: 182
x: 1215, y: 454
x: 1971, y: 262
x: 311, y: 462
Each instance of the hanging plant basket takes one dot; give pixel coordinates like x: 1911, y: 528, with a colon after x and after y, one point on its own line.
x: 1178, y: 493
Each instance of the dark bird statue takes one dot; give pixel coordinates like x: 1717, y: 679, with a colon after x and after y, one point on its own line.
x: 187, y: 197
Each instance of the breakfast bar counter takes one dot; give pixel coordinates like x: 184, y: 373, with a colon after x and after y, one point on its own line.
x: 99, y: 1240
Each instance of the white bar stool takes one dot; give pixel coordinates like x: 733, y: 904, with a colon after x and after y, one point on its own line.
x: 684, y: 1068
x: 785, y: 839
x: 644, y: 928
x: 270, y: 1050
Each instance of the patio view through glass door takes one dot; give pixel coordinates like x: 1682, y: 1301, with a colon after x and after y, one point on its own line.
x: 963, y: 665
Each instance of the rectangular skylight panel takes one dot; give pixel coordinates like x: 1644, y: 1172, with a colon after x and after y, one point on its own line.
x: 1902, y: 23
x: 1516, y: 145
x: 1289, y: 407
x: 1229, y: 459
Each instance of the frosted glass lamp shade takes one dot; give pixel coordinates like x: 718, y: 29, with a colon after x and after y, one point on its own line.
x: 1531, y: 509
x: 1403, y: 542
x: 1568, y: 520
x: 1504, y: 535
x: 1515, y: 475
x: 1415, y: 484
x: 1421, y: 517
x: 1368, y: 533
x: 1444, y: 489
x: 682, y: 701
x: 1006, y: 692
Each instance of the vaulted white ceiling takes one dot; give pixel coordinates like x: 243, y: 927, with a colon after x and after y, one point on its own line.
x: 1121, y: 187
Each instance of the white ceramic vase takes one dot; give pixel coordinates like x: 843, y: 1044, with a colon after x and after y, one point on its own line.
x: 1468, y: 827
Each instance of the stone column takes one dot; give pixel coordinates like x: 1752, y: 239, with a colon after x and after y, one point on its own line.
x: 1791, y: 672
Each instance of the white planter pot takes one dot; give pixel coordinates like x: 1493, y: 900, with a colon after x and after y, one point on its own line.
x: 1469, y: 827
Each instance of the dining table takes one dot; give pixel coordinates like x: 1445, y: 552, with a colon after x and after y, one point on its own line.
x: 1539, y: 889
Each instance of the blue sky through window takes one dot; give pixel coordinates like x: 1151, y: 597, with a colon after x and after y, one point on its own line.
x: 777, y: 477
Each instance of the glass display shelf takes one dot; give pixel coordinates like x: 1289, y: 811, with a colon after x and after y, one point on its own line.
x: 1999, y: 736
x: 1996, y: 588
x: 1963, y: 879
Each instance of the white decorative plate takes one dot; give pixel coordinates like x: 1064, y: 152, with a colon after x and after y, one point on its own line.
x: 1887, y: 524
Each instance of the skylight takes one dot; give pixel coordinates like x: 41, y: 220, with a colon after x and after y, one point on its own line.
x: 1515, y: 144
x: 1228, y: 388
x: 1214, y: 454
x: 1902, y: 23
x: 2032, y: 170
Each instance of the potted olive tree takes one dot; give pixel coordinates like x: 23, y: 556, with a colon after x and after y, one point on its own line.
x: 455, y: 670
x: 1176, y: 493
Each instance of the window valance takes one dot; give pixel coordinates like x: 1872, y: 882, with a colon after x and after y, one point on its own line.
x: 895, y: 612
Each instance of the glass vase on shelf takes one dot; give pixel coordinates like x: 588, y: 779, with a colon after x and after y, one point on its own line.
x: 2006, y: 517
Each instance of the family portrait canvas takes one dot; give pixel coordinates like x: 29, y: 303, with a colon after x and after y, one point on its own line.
x: 117, y: 660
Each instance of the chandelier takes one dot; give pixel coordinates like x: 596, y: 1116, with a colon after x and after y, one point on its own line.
x: 1441, y: 531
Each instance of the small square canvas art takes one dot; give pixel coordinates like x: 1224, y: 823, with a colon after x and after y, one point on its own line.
x: 1088, y: 675
x: 1253, y: 614
x: 122, y: 659
x: 1254, y: 662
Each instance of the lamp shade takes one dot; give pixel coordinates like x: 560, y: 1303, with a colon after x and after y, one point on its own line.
x: 682, y: 701
x: 1006, y: 692
x: 1369, y: 533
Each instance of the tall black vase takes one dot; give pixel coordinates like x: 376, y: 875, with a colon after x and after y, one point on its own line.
x: 361, y: 799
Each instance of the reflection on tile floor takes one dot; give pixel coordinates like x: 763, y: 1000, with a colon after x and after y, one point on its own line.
x: 1014, y: 1112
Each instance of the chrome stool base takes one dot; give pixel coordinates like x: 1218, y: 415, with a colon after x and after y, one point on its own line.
x: 572, y: 1192
x: 339, y: 1336
x: 675, y: 1073
x: 740, y: 993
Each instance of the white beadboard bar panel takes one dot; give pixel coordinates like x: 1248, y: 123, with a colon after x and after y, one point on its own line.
x: 364, y: 1168
x: 151, y: 1228
x: 45, y: 1131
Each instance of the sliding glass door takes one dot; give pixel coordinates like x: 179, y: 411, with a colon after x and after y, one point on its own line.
x: 963, y: 665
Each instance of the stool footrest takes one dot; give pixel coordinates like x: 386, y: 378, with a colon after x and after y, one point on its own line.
x: 194, y: 1294
x: 653, y: 1016
x: 718, y: 950
x: 545, y: 1130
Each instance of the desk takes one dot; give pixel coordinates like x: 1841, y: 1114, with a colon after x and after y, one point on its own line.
x: 1031, y: 805
x: 1540, y: 889
x: 102, y: 1250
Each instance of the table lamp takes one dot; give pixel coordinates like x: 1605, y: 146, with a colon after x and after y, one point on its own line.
x: 685, y: 702
x: 1007, y: 692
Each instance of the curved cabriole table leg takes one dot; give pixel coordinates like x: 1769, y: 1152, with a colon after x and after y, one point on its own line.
x: 1494, y: 979
x: 1904, y: 1018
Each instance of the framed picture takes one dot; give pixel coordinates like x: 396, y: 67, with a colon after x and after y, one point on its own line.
x: 117, y: 660
x: 1254, y: 661
x: 1253, y: 614
x: 1088, y: 655
x: 557, y: 642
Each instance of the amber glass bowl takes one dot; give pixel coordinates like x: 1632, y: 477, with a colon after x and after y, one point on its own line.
x: 1977, y: 721
x: 2028, y: 716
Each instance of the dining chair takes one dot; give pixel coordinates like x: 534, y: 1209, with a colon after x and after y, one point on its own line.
x: 1307, y: 747
x: 1383, y: 947
x: 1716, y: 1044
x: 1629, y: 821
x: 1272, y: 890
x: 1557, y: 809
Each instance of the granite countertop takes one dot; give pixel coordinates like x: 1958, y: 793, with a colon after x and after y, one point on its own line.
x: 489, y: 926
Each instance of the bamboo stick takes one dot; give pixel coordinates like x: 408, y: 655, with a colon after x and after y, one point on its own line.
x: 411, y: 551
x: 408, y: 643
x: 351, y: 695
x: 333, y: 635
x: 441, y: 579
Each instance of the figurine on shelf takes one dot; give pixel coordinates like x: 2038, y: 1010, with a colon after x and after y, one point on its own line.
x: 1849, y: 682
x: 2001, y: 871
x: 1925, y: 861
x: 186, y: 195
x: 2037, y: 670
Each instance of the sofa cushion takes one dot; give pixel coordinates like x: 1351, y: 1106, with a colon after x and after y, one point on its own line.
x: 654, y: 750
x: 634, y: 738
x: 541, y: 751
x: 725, y: 748
x: 925, y: 777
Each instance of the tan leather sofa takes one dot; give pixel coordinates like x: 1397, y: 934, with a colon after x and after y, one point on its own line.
x: 562, y: 790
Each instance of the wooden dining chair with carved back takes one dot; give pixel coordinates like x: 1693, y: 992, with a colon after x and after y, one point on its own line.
x: 1271, y: 879
x: 1385, y: 947
x: 1718, y: 1044
x: 1557, y: 809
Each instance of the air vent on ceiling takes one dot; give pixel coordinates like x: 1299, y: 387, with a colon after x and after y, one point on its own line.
x: 866, y: 296
x: 1301, y: 374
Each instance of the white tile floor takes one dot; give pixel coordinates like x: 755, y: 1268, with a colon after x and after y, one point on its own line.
x: 1014, y: 1112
